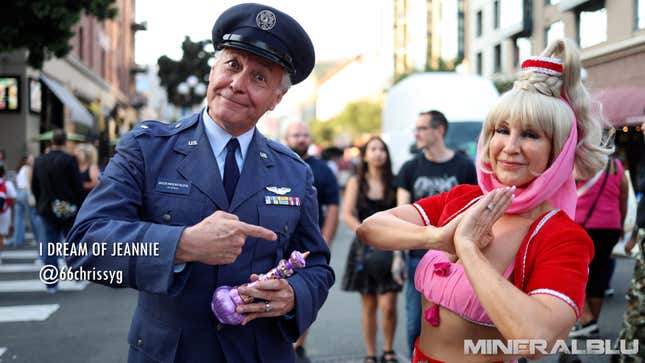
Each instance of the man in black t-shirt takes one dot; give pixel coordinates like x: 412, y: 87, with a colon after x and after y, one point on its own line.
x: 420, y: 177
x: 436, y: 169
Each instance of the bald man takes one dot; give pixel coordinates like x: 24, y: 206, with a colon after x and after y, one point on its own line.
x: 298, y: 139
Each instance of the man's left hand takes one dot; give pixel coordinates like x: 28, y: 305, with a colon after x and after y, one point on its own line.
x: 278, y: 299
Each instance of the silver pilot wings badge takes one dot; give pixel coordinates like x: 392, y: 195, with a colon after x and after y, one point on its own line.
x: 279, y: 190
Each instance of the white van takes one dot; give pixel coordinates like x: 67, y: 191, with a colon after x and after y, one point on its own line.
x: 465, y: 100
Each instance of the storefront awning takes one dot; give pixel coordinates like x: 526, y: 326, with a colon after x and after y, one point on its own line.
x: 622, y: 105
x: 71, y: 136
x: 78, y: 112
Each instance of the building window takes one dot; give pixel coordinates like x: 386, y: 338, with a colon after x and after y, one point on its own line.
x: 461, y: 32
x: 449, y: 32
x: 498, y: 58
x: 478, y: 26
x: 480, y: 66
x: 554, y: 31
x: 80, y: 43
x: 640, y: 14
x: 104, y: 66
x: 522, y: 50
x: 511, y: 13
x: 496, y: 14
x: 592, y: 27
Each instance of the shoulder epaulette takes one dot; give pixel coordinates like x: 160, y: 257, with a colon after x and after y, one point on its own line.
x: 158, y: 128
x: 283, y: 150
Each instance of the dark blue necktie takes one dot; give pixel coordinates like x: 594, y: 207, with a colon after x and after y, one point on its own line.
x: 231, y: 172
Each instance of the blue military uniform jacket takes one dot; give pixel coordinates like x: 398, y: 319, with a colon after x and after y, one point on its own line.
x: 164, y: 178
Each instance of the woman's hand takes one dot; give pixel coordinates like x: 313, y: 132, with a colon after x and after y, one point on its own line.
x: 475, y: 228
x: 445, y: 235
x: 629, y: 245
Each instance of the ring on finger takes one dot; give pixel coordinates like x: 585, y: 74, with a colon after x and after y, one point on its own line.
x: 267, y: 306
x: 489, y: 206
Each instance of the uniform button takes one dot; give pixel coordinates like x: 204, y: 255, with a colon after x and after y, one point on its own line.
x: 219, y: 326
x: 286, y: 228
x: 139, y: 342
x: 166, y: 217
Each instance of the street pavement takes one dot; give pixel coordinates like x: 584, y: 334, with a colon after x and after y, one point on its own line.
x: 89, y: 323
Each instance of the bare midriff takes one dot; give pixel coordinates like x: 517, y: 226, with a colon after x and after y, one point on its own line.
x: 445, y: 342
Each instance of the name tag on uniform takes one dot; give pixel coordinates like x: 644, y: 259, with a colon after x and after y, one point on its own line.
x: 173, y: 186
x: 281, y: 200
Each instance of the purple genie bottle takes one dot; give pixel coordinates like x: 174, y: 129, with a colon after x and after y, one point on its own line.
x: 226, y: 299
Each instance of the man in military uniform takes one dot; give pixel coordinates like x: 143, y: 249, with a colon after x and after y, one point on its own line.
x: 222, y: 202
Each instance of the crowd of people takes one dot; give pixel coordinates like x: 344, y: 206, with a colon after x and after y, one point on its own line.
x: 509, y: 246
x: 57, y: 181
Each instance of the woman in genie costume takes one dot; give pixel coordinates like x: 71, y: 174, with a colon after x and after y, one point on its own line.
x: 506, y: 261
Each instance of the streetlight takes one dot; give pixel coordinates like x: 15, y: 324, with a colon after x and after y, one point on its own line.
x: 189, y: 88
x: 192, y: 81
x: 183, y: 89
x: 200, y: 89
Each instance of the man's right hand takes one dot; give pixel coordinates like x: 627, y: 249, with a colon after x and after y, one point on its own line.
x: 218, y: 239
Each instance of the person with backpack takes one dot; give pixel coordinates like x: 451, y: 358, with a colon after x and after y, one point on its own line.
x: 7, y: 197
x: 56, y: 185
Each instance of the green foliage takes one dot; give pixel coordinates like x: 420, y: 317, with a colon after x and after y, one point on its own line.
x: 443, y: 66
x: 503, y: 86
x: 322, y: 132
x: 193, y: 62
x: 44, y: 27
x: 357, y: 120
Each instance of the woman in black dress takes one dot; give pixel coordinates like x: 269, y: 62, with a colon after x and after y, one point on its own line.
x: 368, y: 270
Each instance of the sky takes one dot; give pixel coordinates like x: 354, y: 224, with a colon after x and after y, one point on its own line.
x: 339, y: 29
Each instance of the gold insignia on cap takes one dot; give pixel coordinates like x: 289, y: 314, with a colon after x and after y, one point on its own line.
x: 265, y: 20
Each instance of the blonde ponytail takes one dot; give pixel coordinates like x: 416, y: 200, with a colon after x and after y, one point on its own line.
x: 592, y: 151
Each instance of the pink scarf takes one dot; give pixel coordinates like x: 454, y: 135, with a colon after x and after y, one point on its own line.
x: 556, y: 184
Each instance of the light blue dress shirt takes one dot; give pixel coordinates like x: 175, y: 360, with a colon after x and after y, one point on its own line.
x: 218, y: 138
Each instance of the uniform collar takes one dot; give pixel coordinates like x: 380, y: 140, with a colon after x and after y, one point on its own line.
x: 196, y: 167
x: 218, y: 137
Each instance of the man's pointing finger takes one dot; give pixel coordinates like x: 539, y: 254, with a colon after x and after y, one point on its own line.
x: 258, y: 232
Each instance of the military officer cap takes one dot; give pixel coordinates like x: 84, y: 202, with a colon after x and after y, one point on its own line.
x: 269, y: 33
